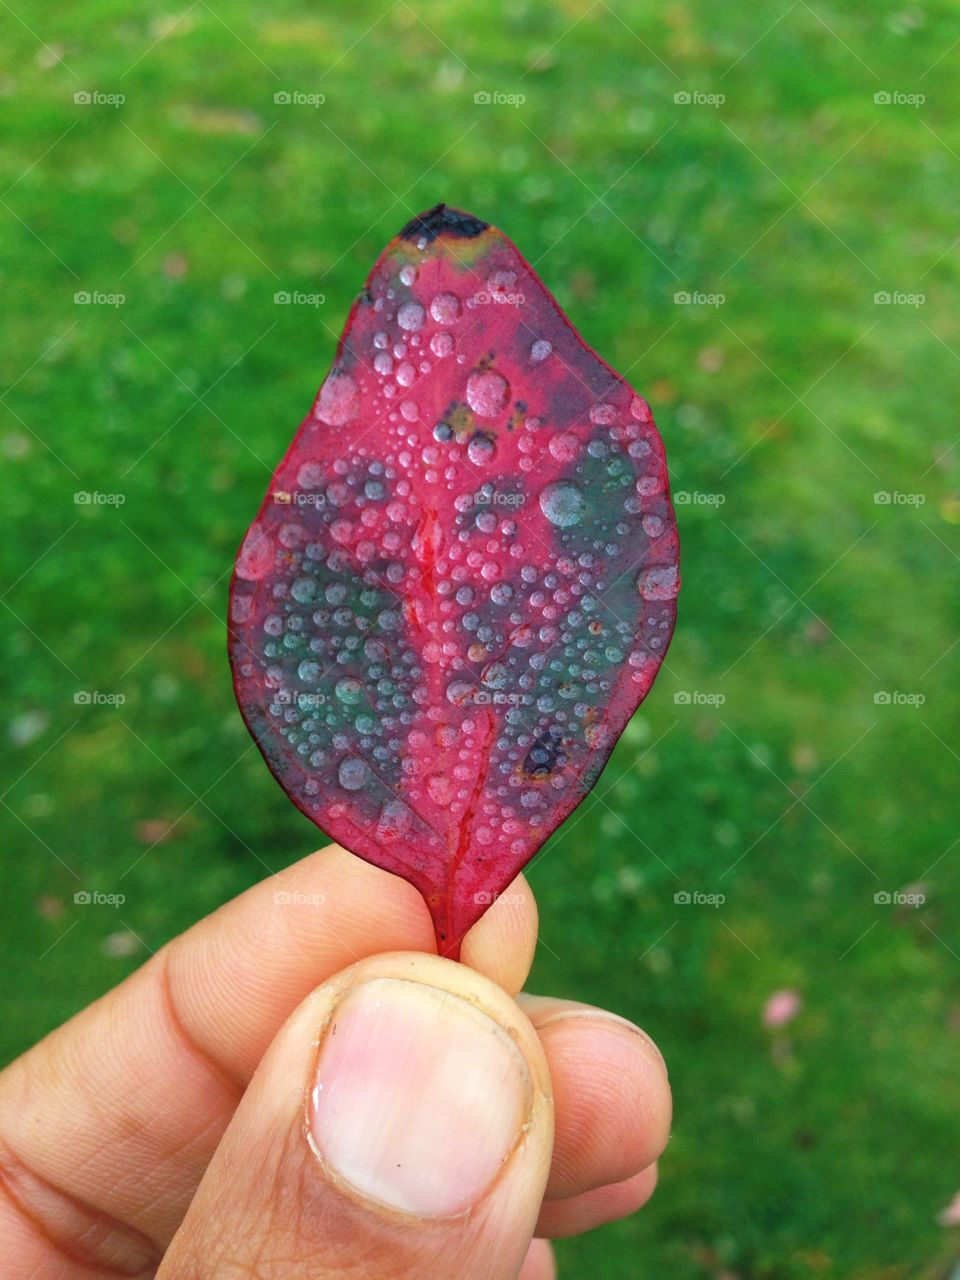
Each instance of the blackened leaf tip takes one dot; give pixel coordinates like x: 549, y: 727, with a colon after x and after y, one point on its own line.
x: 442, y: 219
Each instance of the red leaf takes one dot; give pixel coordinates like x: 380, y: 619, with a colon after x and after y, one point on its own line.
x: 462, y: 580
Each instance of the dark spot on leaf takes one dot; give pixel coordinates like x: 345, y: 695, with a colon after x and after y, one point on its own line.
x: 546, y: 754
x: 441, y: 218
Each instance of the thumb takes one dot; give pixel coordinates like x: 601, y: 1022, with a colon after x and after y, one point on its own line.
x: 400, y: 1125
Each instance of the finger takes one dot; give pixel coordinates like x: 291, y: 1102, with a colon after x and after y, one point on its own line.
x: 110, y: 1122
x: 539, y: 1264
x: 581, y: 1213
x: 612, y: 1096
x: 502, y: 942
x: 422, y: 1148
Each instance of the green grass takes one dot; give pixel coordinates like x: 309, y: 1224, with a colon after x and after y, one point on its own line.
x: 829, y: 1154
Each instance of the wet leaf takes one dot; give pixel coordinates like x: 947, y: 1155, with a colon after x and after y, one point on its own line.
x: 462, y: 580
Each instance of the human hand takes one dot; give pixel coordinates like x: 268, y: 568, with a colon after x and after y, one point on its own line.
x: 188, y: 1125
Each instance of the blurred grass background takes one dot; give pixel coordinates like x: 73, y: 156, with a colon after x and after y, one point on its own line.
x: 823, y: 1148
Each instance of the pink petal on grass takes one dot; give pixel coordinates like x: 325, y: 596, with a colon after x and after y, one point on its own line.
x: 782, y: 1007
x: 950, y: 1216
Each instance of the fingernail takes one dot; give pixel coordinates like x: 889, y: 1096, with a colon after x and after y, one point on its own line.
x: 419, y: 1097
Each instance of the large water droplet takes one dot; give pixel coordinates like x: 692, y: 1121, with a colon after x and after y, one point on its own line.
x: 310, y: 475
x: 659, y: 583
x: 351, y: 773
x: 445, y: 308
x: 487, y: 393
x: 338, y: 401
x: 565, y: 446
x: 411, y: 316
x: 640, y: 410
x: 496, y: 675
x: 562, y: 503
x: 256, y: 555
x: 481, y: 449
x: 459, y: 691
x: 540, y: 350
x: 348, y: 690
x: 395, y: 819
x: 440, y: 789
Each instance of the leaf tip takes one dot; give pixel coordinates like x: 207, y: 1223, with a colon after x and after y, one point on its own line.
x: 441, y: 219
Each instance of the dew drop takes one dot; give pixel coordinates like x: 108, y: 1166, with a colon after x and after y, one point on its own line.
x: 459, y: 691
x: 351, y: 773
x: 481, y: 449
x: 440, y: 789
x: 487, y: 393
x: 256, y: 555
x: 496, y: 675
x: 565, y: 446
x: 540, y: 350
x: 310, y: 475
x: 640, y: 410
x: 338, y: 401
x: 445, y: 308
x: 348, y: 690
x: 659, y: 583
x: 411, y: 316
x: 394, y: 821
x: 562, y: 503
